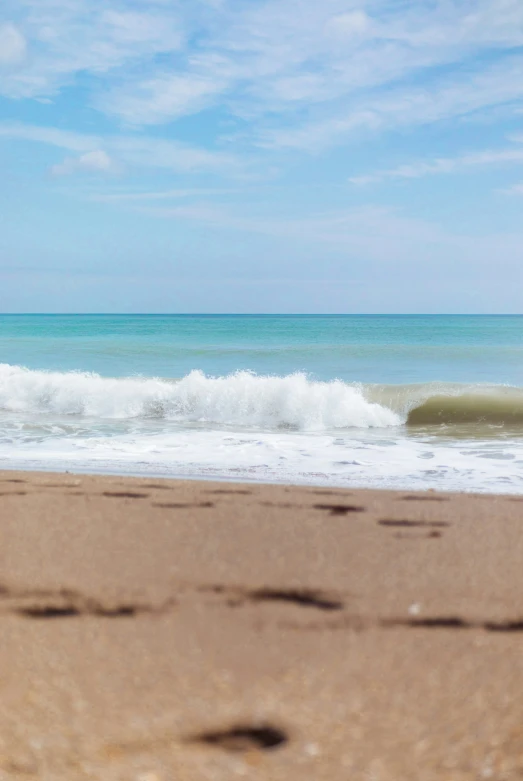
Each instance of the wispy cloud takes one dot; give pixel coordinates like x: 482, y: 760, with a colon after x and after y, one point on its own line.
x: 164, y: 97
x: 452, y: 97
x: 96, y: 161
x: 12, y: 45
x: 64, y: 139
x: 307, y: 53
x: 444, y: 165
x: 66, y: 39
x: 367, y: 233
x: 374, y: 230
x: 301, y: 74
x: 163, y: 195
x: 137, y: 151
x: 516, y: 189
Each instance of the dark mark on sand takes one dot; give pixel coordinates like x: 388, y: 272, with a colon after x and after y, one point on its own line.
x: 339, y: 509
x: 241, y: 738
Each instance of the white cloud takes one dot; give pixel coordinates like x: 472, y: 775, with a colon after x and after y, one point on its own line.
x: 12, y: 45
x: 158, y: 153
x: 366, y: 233
x: 162, y: 195
x: 444, y: 165
x: 282, y: 62
x: 449, y: 98
x: 369, y: 229
x: 162, y: 98
x: 348, y: 24
x: 136, y: 151
x: 130, y: 27
x: 334, y: 56
x: 68, y: 38
x: 64, y: 139
x: 516, y: 189
x: 96, y: 161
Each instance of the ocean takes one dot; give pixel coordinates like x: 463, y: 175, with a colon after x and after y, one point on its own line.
x: 381, y: 401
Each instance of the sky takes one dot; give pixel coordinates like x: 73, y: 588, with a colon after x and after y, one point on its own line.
x: 261, y: 156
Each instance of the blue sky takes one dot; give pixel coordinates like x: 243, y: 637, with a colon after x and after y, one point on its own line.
x: 261, y: 156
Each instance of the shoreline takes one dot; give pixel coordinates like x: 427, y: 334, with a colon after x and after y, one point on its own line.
x: 157, y: 629
x: 38, y: 468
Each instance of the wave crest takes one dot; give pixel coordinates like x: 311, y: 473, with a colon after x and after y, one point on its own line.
x: 242, y: 398
x: 250, y: 400
x: 499, y: 406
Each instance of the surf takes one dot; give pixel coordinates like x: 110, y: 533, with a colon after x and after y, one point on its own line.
x: 239, y: 399
x: 497, y: 407
x: 294, y: 402
x: 448, y: 404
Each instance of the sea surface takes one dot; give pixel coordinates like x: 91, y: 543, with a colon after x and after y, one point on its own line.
x: 410, y: 402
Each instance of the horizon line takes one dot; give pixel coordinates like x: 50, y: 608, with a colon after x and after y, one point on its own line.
x: 261, y: 314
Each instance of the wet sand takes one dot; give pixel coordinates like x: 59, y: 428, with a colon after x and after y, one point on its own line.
x: 175, y: 631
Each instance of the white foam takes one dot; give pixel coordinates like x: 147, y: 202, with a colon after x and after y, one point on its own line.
x: 370, y: 460
x: 242, y: 399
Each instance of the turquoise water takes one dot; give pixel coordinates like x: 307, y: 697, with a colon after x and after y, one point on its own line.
x: 387, y: 401
x: 371, y: 349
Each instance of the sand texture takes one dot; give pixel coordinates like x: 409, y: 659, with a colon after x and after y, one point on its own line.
x: 182, y: 631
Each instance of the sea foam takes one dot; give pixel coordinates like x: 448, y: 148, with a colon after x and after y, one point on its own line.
x: 242, y: 398
x: 245, y: 399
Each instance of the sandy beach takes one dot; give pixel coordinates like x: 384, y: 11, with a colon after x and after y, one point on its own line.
x: 155, y: 630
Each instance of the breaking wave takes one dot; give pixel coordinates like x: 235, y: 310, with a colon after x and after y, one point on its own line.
x: 241, y: 398
x: 431, y: 404
x: 496, y: 407
x: 245, y: 399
